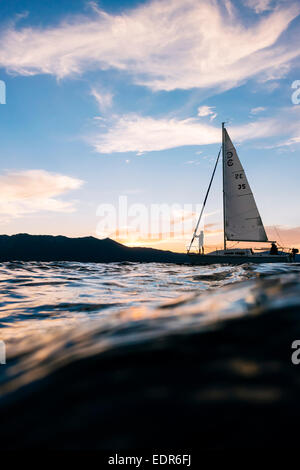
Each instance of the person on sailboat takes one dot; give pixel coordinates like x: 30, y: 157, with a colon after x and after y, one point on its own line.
x: 294, y: 252
x: 274, y: 249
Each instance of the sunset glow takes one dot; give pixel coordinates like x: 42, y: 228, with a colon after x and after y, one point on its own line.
x: 85, y: 120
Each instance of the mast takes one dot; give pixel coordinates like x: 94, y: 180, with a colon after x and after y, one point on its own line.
x: 223, y: 159
x: 204, y: 202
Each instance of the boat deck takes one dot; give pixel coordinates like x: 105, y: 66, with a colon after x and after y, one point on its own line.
x: 199, y: 259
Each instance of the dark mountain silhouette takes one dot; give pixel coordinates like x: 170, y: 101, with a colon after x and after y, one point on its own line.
x: 25, y: 247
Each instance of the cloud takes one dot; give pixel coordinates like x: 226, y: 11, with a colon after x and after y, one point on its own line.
x: 288, y: 236
x: 286, y: 129
x: 164, y: 44
x: 292, y: 141
x: 212, y: 229
x: 257, y: 110
x: 104, y: 99
x: 259, y: 6
x: 25, y: 192
x: 207, y: 111
x: 192, y: 162
x: 285, y: 143
x: 134, y: 133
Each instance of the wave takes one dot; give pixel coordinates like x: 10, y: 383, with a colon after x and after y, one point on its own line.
x: 211, y: 368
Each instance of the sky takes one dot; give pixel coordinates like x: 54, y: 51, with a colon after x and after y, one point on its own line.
x: 112, y: 101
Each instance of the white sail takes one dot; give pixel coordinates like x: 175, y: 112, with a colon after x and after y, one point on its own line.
x: 242, y: 219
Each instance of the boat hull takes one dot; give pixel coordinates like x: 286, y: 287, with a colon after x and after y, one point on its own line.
x: 198, y: 259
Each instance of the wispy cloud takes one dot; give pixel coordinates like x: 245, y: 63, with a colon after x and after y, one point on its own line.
x: 134, y: 133
x: 260, y: 6
x: 25, y: 192
x: 164, y: 45
x: 104, y: 98
x: 286, y: 235
x: 286, y: 129
x: 207, y: 111
x: 285, y: 143
x: 257, y: 110
x: 193, y: 162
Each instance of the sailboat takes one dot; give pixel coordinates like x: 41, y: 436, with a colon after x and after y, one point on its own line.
x: 241, y: 218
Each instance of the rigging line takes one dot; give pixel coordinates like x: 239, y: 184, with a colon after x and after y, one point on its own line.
x: 205, y: 199
x: 277, y: 233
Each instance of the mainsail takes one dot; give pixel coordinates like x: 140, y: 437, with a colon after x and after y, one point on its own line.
x: 242, y: 221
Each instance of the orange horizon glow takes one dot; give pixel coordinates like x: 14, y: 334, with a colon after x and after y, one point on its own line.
x: 286, y: 237
x: 180, y: 245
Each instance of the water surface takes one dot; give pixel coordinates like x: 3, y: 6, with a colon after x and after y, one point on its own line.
x: 97, y: 350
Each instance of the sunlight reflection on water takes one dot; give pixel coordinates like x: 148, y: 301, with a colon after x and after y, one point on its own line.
x: 37, y: 298
x: 52, y: 314
x: 42, y: 295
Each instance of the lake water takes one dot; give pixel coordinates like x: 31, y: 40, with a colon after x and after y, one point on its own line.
x: 55, y: 317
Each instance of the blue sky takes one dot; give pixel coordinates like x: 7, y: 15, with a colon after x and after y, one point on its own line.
x: 112, y: 98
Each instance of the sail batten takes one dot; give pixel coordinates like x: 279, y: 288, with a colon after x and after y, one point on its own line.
x: 242, y: 221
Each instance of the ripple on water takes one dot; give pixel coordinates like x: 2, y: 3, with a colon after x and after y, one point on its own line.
x: 105, y: 339
x: 33, y: 292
